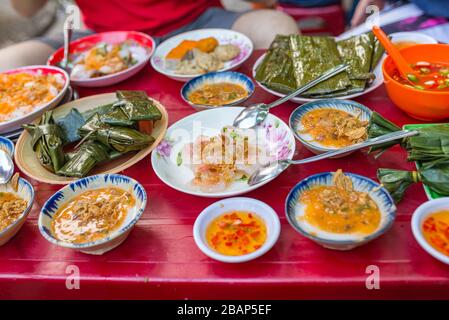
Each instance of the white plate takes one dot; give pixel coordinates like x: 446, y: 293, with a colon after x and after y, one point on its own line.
x: 259, y: 208
x: 374, y: 85
x: 223, y: 36
x: 17, y: 123
x: 209, y: 123
x: 416, y: 37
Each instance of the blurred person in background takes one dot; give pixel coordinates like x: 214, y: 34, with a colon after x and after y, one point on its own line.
x: 159, y: 18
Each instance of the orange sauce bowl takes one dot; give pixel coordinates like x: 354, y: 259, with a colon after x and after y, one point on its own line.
x: 420, y: 104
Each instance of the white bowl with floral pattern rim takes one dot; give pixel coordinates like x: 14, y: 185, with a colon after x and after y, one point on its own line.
x: 223, y: 36
x: 273, y: 133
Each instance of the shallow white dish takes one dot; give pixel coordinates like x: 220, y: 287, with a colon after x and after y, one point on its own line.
x: 348, y: 106
x: 418, y: 218
x: 116, y: 237
x: 294, y: 210
x: 417, y: 37
x: 113, y: 37
x: 17, y: 123
x: 218, y: 208
x: 298, y: 99
x: 26, y: 192
x: 165, y: 159
x: 224, y: 36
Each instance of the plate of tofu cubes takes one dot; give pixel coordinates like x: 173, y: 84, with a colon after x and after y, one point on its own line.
x: 190, y: 54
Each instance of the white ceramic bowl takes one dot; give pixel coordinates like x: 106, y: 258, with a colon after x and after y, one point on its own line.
x: 218, y: 208
x: 417, y: 37
x: 116, y: 237
x: 224, y: 36
x: 296, y: 116
x: 294, y: 209
x: 26, y: 192
x: 233, y: 77
x: 420, y: 214
x: 17, y: 123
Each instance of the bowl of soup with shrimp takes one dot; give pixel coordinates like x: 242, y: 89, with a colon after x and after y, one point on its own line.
x: 425, y: 94
x: 94, y: 214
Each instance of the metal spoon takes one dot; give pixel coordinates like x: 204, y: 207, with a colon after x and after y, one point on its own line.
x: 253, y: 115
x: 68, y: 30
x: 6, y: 167
x: 273, y: 169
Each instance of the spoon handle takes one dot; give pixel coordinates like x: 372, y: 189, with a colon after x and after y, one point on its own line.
x: 368, y: 143
x: 68, y: 29
x: 328, y: 74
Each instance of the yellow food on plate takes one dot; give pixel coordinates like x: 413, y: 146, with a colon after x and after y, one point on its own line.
x: 338, y: 208
x: 11, y: 207
x: 236, y: 233
x: 436, y: 231
x: 218, y: 94
x: 92, y: 215
x: 334, y: 128
x: 192, y: 57
x: 22, y: 93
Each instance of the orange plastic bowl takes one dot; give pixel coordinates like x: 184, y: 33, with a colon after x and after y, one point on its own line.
x: 419, y: 104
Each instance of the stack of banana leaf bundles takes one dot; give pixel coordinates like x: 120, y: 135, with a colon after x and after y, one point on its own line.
x: 101, y: 134
x: 430, y: 149
x: 292, y: 61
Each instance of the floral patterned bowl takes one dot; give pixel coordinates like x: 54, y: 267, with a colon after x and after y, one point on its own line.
x: 26, y: 192
x: 273, y: 135
x: 223, y: 36
x: 294, y: 210
x: 348, y: 106
x: 113, y: 239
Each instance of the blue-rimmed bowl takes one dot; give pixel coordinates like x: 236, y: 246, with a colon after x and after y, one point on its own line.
x: 7, y: 146
x: 295, y: 124
x: 26, y: 192
x: 294, y: 210
x: 116, y: 237
x: 217, y: 77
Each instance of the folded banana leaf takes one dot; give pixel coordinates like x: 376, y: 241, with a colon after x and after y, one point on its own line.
x: 311, y: 57
x: 70, y: 124
x: 136, y: 106
x: 357, y: 52
x: 121, y: 139
x: 101, y: 110
x: 434, y: 174
x: 276, y: 69
x: 116, y: 117
x: 47, y: 142
x: 84, y: 159
x: 432, y: 142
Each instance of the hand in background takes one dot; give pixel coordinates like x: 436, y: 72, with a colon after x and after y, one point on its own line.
x: 360, y: 11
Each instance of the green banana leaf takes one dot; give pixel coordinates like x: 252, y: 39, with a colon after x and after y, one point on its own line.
x: 434, y: 174
x: 311, y: 57
x: 276, y: 69
x: 84, y: 159
x: 70, y: 124
x: 47, y: 142
x: 357, y: 52
x: 136, y: 106
x: 121, y: 139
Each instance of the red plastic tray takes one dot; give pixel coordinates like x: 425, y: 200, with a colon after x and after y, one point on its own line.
x: 160, y: 259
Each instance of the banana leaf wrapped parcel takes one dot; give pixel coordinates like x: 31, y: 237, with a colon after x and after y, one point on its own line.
x: 432, y: 142
x: 47, y: 142
x: 434, y: 174
x: 121, y: 139
x: 84, y: 159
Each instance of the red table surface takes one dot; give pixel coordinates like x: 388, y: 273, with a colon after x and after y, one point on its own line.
x: 160, y: 260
